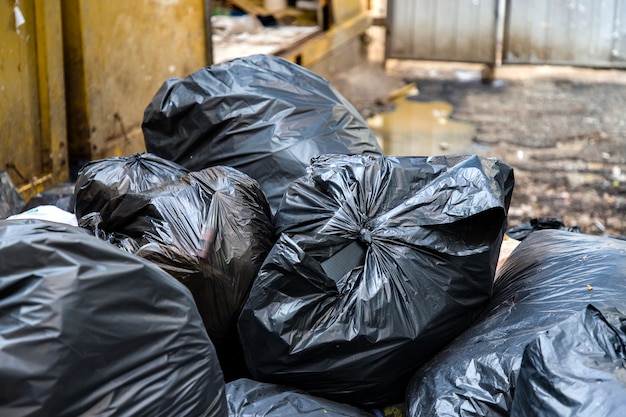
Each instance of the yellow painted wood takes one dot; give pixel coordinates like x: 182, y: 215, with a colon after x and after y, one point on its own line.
x: 32, y: 104
x: 118, y: 53
x: 344, y: 10
x: 254, y: 7
x: 309, y: 52
x: 51, y: 89
x: 19, y: 111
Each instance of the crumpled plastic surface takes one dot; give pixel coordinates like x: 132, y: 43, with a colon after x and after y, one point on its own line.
x: 87, y: 329
x: 11, y: 202
x: 211, y: 230
x: 100, y: 181
x: 577, y: 368
x: 261, y: 114
x: 550, y: 276
x: 248, y: 398
x: 380, y: 262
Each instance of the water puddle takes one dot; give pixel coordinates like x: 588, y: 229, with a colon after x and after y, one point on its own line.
x: 416, y: 128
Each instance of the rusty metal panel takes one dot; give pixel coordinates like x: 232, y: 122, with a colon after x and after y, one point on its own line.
x: 445, y: 30
x: 32, y: 99
x: 566, y: 32
x: 117, y: 55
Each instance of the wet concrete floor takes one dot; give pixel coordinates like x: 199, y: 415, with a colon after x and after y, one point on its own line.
x: 414, y: 128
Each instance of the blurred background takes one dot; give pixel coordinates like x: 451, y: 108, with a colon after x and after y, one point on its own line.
x: 539, y: 84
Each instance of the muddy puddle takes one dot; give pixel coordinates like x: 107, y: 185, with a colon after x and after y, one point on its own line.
x: 415, y: 128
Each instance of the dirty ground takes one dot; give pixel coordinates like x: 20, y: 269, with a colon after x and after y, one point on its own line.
x: 562, y: 129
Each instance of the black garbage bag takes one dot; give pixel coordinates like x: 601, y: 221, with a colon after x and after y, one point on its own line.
x: 521, y: 231
x: 100, y: 181
x: 248, y: 398
x: 11, y: 202
x: 551, y: 275
x: 59, y: 195
x: 87, y: 329
x: 577, y: 368
x: 260, y: 114
x: 211, y: 230
x: 380, y: 262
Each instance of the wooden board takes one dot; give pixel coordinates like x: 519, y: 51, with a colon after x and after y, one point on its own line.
x: 272, y: 41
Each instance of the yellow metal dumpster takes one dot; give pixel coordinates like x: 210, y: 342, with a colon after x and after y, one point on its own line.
x: 33, y: 147
x: 117, y: 55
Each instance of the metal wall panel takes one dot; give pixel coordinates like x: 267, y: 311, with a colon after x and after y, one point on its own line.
x: 117, y: 55
x: 33, y: 146
x: 444, y: 30
x: 565, y: 32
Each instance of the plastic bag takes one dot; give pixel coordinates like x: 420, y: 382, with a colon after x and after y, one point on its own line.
x: 87, y: 329
x: 380, y: 262
x: 11, y: 201
x: 211, y: 230
x: 577, y: 368
x: 251, y: 398
x: 49, y: 213
x: 100, y: 181
x: 551, y: 275
x: 261, y: 114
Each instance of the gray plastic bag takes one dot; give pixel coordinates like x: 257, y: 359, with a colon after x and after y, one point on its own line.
x: 87, y: 329
x: 380, y: 262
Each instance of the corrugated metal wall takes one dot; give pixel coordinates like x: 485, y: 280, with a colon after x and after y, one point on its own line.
x: 588, y: 33
x: 448, y: 30
x: 569, y: 32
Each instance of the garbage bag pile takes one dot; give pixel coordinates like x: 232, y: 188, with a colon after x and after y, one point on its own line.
x: 260, y: 114
x: 551, y: 276
x: 89, y: 329
x: 248, y: 398
x: 380, y: 262
x: 265, y: 241
x: 209, y: 229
